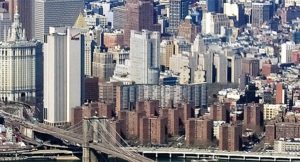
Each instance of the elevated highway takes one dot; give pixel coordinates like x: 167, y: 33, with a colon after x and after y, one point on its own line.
x: 200, y: 153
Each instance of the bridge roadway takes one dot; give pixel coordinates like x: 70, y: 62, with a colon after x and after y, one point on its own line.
x: 198, y: 153
x: 75, y: 138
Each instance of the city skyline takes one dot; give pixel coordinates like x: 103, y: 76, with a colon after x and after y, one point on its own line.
x: 218, y: 75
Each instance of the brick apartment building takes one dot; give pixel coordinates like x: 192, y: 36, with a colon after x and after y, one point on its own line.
x: 230, y: 137
x: 199, y: 132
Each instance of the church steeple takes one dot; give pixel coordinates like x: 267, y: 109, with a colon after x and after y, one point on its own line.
x: 16, y: 32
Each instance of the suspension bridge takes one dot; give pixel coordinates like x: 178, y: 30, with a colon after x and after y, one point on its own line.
x: 95, y: 135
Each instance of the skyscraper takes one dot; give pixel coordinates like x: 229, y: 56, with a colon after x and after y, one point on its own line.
x: 26, y: 10
x: 166, y: 51
x: 103, y: 65
x: 5, y: 23
x: 220, y: 68
x: 119, y: 17
x: 212, y: 22
x: 261, y: 12
x: 63, y: 74
x: 140, y: 15
x: 286, y: 51
x: 188, y: 29
x: 206, y: 64
x: 20, y: 72
x: 250, y: 66
x: 234, y: 68
x: 235, y: 11
x: 214, y: 6
x: 178, y: 11
x: 144, y: 57
x: 54, y: 13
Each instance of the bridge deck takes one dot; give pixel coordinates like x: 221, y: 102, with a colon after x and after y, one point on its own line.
x: 75, y: 138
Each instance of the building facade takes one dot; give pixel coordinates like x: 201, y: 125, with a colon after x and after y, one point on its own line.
x: 119, y: 17
x: 20, y: 65
x: 288, y: 3
x: 272, y: 110
x: 250, y: 67
x: 230, y: 137
x: 261, y: 12
x: 128, y: 95
x: 214, y: 6
x: 178, y: 11
x: 188, y: 30
x: 144, y: 57
x: 54, y: 13
x: 166, y: 51
x: 63, y: 74
x: 212, y: 23
x: 5, y: 23
x: 140, y: 15
x: 103, y: 65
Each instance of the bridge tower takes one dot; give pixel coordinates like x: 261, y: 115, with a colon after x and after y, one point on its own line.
x: 90, y: 129
x: 85, y: 145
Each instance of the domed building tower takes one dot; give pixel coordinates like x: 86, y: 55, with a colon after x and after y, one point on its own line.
x: 188, y: 30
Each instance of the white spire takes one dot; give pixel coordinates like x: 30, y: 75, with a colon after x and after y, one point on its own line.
x: 16, y: 32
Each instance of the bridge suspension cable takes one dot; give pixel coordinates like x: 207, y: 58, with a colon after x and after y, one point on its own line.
x: 110, y: 143
x: 74, y: 126
x: 114, y: 139
x: 122, y: 139
x: 104, y: 133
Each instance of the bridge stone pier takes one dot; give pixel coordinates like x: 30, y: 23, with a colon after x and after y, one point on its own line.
x: 91, y: 130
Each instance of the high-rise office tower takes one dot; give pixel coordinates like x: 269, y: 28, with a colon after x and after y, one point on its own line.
x: 250, y: 66
x: 140, y: 15
x: 198, y: 45
x: 212, y: 22
x: 214, y: 6
x: 286, y: 51
x: 179, y: 9
x: 90, y: 43
x: 261, y: 12
x: 144, y: 57
x: 219, y: 70
x: 234, y: 68
x: 20, y: 65
x: 188, y: 30
x: 63, y: 74
x: 103, y: 65
x: 119, y: 17
x: 206, y: 63
x: 235, y: 11
x: 5, y: 23
x: 26, y: 10
x: 166, y: 51
x: 54, y: 13
x: 89, y: 50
